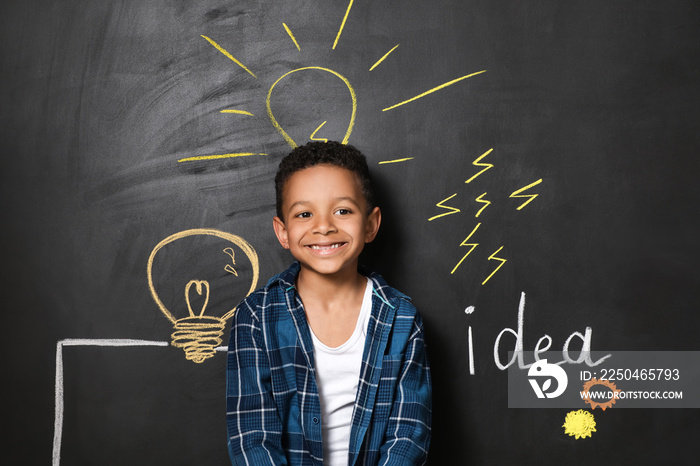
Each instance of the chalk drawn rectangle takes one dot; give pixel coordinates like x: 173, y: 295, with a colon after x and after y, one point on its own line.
x: 140, y: 405
x: 613, y: 379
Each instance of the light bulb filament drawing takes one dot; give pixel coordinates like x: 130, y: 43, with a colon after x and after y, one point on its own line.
x: 199, y: 334
x: 313, y: 135
x: 198, y: 286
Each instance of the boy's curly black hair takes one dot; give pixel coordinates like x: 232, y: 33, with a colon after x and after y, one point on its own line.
x: 324, y: 153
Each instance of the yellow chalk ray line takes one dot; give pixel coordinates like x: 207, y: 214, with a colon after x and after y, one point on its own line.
x: 345, y: 18
x: 532, y: 197
x: 240, y: 112
x: 292, y: 36
x: 464, y: 243
x: 451, y: 210
x: 316, y: 131
x: 383, y: 58
x: 442, y: 86
x: 482, y: 201
x: 396, y: 160
x: 494, y: 258
x: 477, y: 163
x: 220, y: 156
x: 229, y: 56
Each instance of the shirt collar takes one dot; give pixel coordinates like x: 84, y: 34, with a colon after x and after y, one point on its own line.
x: 287, y: 280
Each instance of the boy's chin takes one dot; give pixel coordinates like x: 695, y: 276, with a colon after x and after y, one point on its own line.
x: 329, y: 270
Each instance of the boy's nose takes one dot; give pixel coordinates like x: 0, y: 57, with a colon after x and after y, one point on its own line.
x: 324, y: 224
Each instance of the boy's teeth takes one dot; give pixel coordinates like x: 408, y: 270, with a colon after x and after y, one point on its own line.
x: 332, y: 246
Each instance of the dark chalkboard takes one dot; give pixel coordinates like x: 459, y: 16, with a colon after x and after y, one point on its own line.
x: 547, y: 148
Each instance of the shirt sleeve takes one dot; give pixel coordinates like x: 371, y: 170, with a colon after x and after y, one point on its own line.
x: 408, y: 431
x: 254, y: 426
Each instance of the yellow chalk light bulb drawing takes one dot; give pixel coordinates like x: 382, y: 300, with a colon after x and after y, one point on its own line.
x: 312, y: 136
x: 279, y: 128
x: 199, y: 334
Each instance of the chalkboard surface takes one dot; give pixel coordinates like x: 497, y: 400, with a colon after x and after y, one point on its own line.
x: 548, y: 148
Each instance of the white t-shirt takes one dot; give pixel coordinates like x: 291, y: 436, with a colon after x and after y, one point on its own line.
x: 337, y: 377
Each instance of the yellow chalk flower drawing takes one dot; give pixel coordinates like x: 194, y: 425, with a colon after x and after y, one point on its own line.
x: 579, y: 424
x: 199, y: 334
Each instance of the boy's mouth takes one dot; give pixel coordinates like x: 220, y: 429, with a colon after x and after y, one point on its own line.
x: 325, y: 247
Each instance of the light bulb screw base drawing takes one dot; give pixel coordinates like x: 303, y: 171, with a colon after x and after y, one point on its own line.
x: 198, y: 336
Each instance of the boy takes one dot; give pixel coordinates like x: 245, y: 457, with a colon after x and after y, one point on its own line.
x: 327, y: 364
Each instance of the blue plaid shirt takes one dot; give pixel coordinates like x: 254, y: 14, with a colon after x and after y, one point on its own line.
x: 273, y: 406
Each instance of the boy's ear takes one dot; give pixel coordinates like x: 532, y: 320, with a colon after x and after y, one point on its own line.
x: 374, y: 219
x: 281, y: 232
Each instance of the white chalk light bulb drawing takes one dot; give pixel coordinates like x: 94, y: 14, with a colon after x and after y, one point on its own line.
x: 199, y: 334
x: 277, y: 125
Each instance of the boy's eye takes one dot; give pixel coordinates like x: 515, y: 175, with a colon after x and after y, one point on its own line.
x: 303, y: 215
x: 343, y: 211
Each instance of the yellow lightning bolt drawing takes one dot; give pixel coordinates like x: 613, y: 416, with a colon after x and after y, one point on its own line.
x: 477, y: 163
x: 464, y: 243
x: 452, y: 210
x: 530, y: 196
x: 493, y: 257
x: 482, y: 201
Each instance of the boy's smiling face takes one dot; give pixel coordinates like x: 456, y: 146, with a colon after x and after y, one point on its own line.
x: 326, y: 224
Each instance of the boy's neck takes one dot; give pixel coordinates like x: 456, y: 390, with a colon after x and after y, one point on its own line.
x: 330, y: 288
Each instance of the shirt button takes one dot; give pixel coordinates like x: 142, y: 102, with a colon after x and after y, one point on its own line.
x: 315, y: 420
